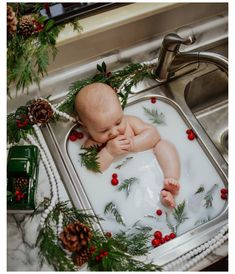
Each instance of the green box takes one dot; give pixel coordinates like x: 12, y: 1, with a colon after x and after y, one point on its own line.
x: 22, y: 177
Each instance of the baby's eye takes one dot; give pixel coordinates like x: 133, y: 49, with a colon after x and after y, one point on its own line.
x: 118, y: 123
x: 103, y: 131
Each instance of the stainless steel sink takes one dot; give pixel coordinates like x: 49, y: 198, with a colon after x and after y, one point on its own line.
x: 207, y: 97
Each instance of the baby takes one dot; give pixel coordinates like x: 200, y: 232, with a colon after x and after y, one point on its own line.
x: 101, y: 115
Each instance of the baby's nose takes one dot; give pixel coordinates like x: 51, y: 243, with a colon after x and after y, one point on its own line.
x: 114, y: 132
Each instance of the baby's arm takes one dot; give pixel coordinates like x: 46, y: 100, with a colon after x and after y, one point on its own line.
x: 146, y: 135
x: 117, y: 146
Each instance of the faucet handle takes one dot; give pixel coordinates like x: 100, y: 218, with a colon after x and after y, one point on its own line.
x: 172, y: 41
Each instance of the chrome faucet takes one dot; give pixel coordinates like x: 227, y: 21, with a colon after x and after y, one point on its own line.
x: 170, y: 58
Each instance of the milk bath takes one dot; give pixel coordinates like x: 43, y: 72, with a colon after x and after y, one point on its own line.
x: 139, y: 207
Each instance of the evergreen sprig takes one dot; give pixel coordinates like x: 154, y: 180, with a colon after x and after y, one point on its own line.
x: 154, y: 116
x: 89, y: 158
x: 200, y: 189
x: 112, y: 208
x: 120, y: 248
x: 127, y: 184
x: 124, y: 163
x: 136, y: 73
x: 179, y: 216
x: 28, y: 57
x: 209, y: 196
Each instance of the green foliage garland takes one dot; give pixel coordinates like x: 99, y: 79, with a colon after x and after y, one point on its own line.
x: 28, y: 57
x: 119, y: 248
x: 134, y: 72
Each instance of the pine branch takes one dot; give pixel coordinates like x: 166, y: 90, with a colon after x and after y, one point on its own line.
x: 154, y: 116
x: 208, y: 197
x: 179, y: 214
x: 124, y: 163
x: 112, y: 208
x: 200, y: 189
x: 127, y: 184
x: 89, y: 158
x: 52, y: 251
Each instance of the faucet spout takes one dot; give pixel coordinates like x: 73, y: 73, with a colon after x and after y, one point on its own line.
x: 170, y: 58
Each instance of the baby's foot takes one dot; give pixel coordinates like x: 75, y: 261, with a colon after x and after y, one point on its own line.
x: 171, y: 185
x: 167, y: 198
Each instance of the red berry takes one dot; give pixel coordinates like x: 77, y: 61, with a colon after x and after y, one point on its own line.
x: 156, y: 242
x: 224, y: 191
x: 105, y: 253
x: 98, y: 258
x: 159, y: 212
x: 80, y: 135
x: 224, y: 196
x: 158, y: 234
x: 188, y: 131
x: 191, y: 136
x: 114, y: 175
x: 92, y: 249
x: 114, y: 181
x: 72, y: 137
x: 108, y: 234
x: 153, y: 100
x: 167, y: 238
x: 162, y: 241
x: 172, y: 235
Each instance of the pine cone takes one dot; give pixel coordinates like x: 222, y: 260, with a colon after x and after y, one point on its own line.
x: 75, y: 237
x: 11, y: 21
x: 26, y: 25
x: 81, y: 257
x: 21, y: 183
x: 40, y: 111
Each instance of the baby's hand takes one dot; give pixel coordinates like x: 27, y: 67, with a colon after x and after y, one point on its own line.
x: 119, y: 145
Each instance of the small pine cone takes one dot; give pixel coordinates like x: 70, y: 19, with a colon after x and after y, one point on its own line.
x: 26, y: 25
x: 11, y: 21
x: 75, y: 237
x: 41, y: 111
x: 21, y: 183
x: 81, y: 257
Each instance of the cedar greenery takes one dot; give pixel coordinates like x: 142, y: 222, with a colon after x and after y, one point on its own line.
x: 209, y: 196
x: 154, y: 116
x: 124, y: 162
x: 200, y: 189
x: 112, y: 208
x: 28, y: 57
x: 179, y: 215
x: 134, y: 72
x: 127, y: 184
x: 120, y: 248
x: 89, y: 158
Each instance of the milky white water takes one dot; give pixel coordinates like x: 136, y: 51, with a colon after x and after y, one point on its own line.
x: 143, y: 200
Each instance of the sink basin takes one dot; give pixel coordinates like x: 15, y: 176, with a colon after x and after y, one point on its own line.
x: 200, y: 99
x: 207, y: 97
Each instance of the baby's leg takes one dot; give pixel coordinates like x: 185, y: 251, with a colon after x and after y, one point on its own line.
x: 169, y: 162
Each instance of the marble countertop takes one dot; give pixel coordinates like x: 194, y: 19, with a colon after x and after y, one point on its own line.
x: 22, y: 231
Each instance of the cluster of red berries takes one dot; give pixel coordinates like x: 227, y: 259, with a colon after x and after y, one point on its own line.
x: 19, y: 195
x: 102, y: 254
x: 37, y: 26
x: 191, y: 134
x: 74, y: 135
x: 159, y: 239
x: 153, y: 100
x: 224, y: 193
x: 114, y: 180
x: 22, y: 121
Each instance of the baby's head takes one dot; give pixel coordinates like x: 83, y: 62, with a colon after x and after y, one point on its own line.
x: 100, y: 112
